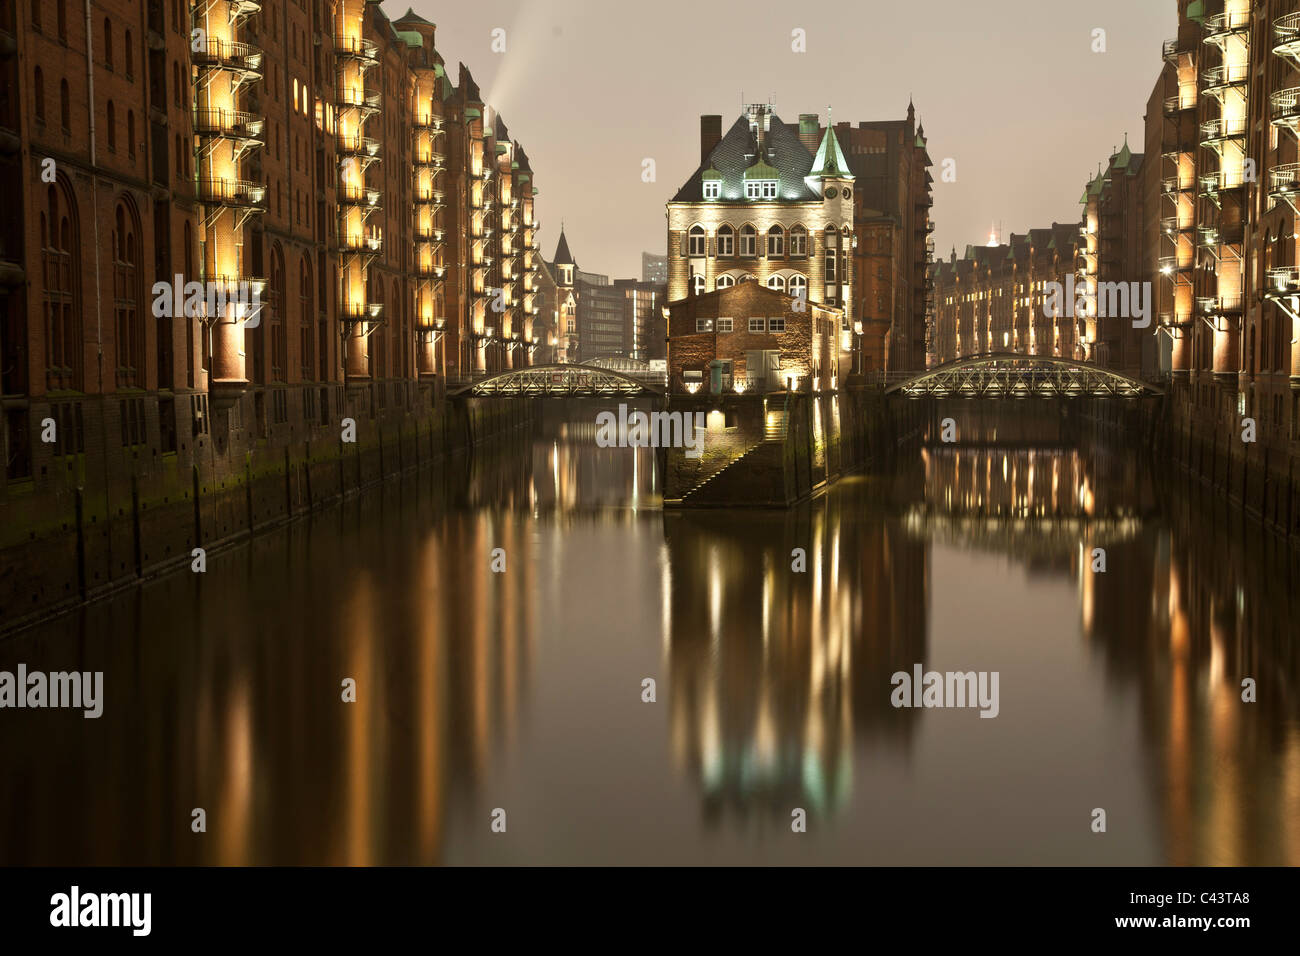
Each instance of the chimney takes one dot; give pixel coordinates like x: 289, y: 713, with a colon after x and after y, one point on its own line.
x: 808, y: 128
x: 710, y: 136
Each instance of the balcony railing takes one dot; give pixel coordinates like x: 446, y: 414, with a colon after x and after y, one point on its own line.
x: 233, y: 124
x: 428, y: 121
x: 355, y: 144
x: 1219, y: 304
x: 362, y: 311
x: 1284, y: 181
x: 356, y: 48
x: 1171, y: 49
x: 229, y: 55
x: 352, y: 98
x: 1283, y: 281
x: 1284, y: 107
x: 231, y: 192
x: 1222, y: 77
x: 1216, y: 130
x: 1222, y: 25
x: 1286, y: 29
x: 356, y: 194
x: 361, y: 242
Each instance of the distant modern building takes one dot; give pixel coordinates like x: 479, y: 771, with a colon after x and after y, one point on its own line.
x: 654, y: 268
x: 644, y: 327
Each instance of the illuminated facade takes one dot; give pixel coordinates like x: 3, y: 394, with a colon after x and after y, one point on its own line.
x: 764, y: 207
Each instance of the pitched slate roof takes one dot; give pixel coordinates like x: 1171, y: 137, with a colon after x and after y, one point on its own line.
x: 737, y: 151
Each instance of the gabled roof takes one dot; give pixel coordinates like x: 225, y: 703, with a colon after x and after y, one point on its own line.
x: 737, y: 152
x: 410, y: 16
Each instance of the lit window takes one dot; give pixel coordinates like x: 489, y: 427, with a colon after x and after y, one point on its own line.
x: 776, y: 282
x: 798, y: 242
x: 775, y: 242
x: 725, y: 282
x: 703, y: 325
x: 726, y: 241
x: 724, y: 325
x: 697, y: 284
x: 748, y: 241
x: 799, y: 286
x: 776, y: 324
x: 695, y: 246
x: 712, y: 189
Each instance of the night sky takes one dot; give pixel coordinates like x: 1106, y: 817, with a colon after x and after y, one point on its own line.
x: 1010, y: 89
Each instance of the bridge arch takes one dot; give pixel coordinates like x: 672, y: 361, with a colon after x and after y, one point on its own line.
x: 1016, y: 375
x: 569, y: 379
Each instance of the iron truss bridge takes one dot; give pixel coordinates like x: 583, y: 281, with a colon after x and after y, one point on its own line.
x: 562, y: 381
x: 1014, y: 375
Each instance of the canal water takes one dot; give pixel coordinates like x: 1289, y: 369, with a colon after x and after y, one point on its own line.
x: 515, y: 696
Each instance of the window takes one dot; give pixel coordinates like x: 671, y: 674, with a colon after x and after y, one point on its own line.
x: 703, y: 325
x: 725, y: 282
x: 62, y: 10
x: 760, y: 189
x: 776, y: 324
x: 695, y: 242
x: 726, y: 241
x: 38, y: 89
x: 724, y: 325
x: 798, y: 242
x: 65, y: 106
x: 108, y: 43
x: 712, y: 188
x: 126, y: 251
x: 776, y: 282
x: 126, y: 53
x: 799, y: 286
x: 112, y: 127
x: 130, y: 133
x: 697, y: 284
x: 775, y: 243
x: 748, y: 241
x: 176, y: 83
x: 757, y: 325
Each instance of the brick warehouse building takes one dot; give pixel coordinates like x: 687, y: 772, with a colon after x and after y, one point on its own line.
x: 842, y: 213
x: 757, y: 338
x: 369, y: 224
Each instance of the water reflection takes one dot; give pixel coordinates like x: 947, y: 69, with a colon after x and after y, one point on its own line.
x: 522, y: 690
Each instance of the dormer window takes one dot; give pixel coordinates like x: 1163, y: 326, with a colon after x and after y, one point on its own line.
x: 712, y: 189
x: 760, y: 189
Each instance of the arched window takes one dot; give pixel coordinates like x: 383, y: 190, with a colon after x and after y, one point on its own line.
x: 36, y: 13
x: 108, y: 43
x: 180, y: 168
x: 748, y: 241
x: 61, y: 10
x: 799, y: 286
x: 695, y: 242
x: 776, y: 243
x: 832, y: 262
x: 776, y: 282
x: 65, y: 106
x: 726, y: 281
x: 798, y: 242
x: 127, y: 57
x: 726, y: 241
x: 697, y: 284
x: 38, y: 90
x: 111, y: 123
x: 130, y: 133
x: 61, y: 268
x: 276, y: 315
x: 306, y: 320
x: 126, y: 251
